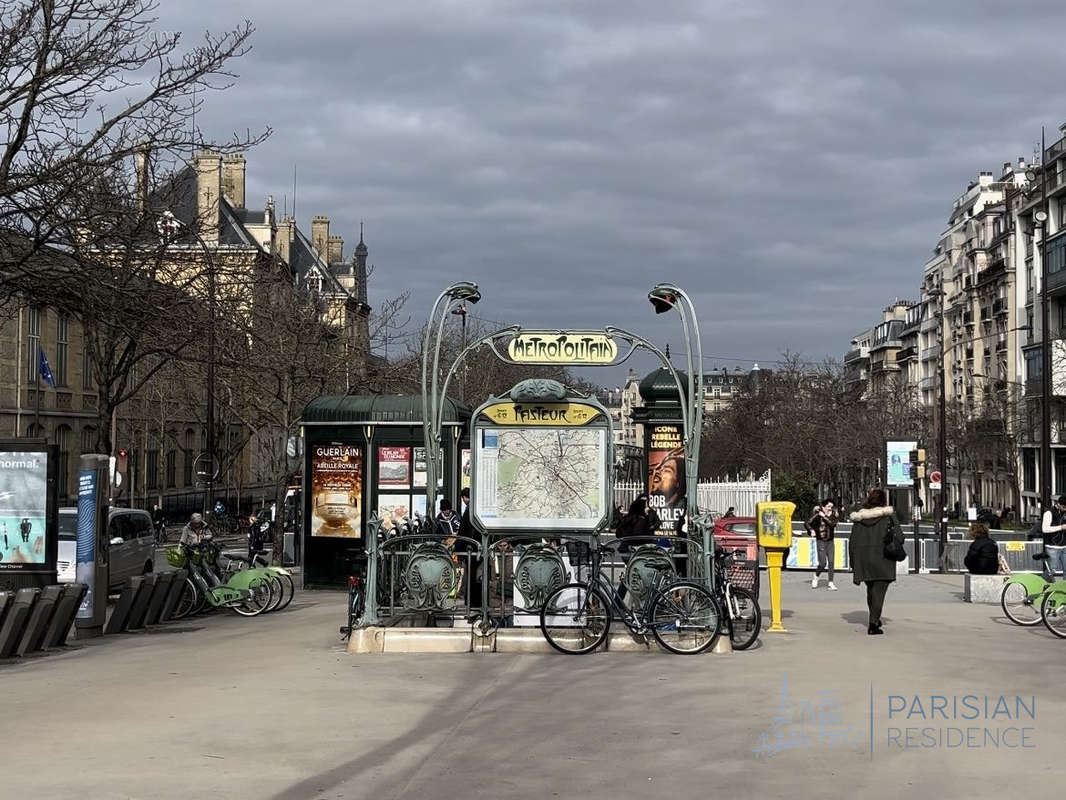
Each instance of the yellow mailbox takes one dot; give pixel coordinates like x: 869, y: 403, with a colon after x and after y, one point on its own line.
x: 774, y: 526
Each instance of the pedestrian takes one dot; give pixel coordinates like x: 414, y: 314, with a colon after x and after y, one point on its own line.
x: 255, y: 537
x: 447, y: 522
x: 195, y: 531
x: 822, y: 525
x: 1053, y: 528
x: 24, y: 529
x: 873, y: 526
x: 983, y: 555
x: 640, y: 521
x: 473, y: 562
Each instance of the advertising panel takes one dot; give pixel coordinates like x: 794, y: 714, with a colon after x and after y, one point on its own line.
x: 394, y: 467
x: 394, y: 509
x: 464, y: 469
x: 85, y: 560
x: 23, y: 510
x: 666, y: 475
x: 898, y: 463
x: 336, y: 491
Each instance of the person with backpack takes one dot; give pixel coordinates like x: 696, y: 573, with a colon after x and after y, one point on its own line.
x: 640, y: 520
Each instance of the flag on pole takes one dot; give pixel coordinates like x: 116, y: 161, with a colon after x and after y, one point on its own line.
x: 44, y: 369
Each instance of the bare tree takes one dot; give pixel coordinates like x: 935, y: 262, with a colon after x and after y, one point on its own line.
x: 89, y: 84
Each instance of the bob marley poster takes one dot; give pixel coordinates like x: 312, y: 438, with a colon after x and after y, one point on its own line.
x: 336, y: 491
x: 666, y: 475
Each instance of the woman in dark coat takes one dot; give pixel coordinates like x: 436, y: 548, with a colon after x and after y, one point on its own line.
x: 873, y: 526
x: 983, y: 556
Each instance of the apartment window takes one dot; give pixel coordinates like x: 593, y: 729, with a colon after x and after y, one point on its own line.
x: 63, y: 467
x: 153, y: 469
x: 33, y: 341
x: 172, y: 468
x: 88, y: 440
x: 1028, y: 244
x: 717, y: 392
x: 1060, y: 471
x: 1062, y: 214
x: 190, y: 443
x: 62, y: 347
x: 1029, y: 470
x: 997, y: 227
x: 87, y: 381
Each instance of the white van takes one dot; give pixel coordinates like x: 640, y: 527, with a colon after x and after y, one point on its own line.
x: 132, y: 549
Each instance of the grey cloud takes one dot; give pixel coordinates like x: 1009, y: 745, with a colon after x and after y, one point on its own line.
x: 790, y: 164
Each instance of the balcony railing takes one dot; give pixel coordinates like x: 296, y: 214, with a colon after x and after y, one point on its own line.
x: 927, y: 384
x: 906, y: 354
x: 930, y: 354
x: 1000, y: 306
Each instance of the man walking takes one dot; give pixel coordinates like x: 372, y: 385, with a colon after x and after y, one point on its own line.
x: 1053, y: 526
x: 822, y: 524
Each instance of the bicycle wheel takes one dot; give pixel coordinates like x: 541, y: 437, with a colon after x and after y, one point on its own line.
x: 288, y: 581
x: 258, y: 601
x: 277, y: 593
x: 685, y: 618
x: 1018, y: 605
x: 575, y: 618
x: 187, y: 602
x: 1053, y: 612
x: 746, y: 618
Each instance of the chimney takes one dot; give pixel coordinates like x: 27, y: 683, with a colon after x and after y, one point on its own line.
x: 208, y: 188
x: 233, y: 180
x: 286, y: 232
x: 141, y: 162
x: 320, y: 235
x: 336, y: 250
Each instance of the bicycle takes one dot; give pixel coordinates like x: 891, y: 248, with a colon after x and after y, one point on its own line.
x: 1023, y: 594
x: 682, y: 616
x: 743, y: 615
x: 356, y: 604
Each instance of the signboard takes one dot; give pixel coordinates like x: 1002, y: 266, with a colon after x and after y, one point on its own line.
x: 666, y: 475
x: 774, y: 523
x: 934, y: 480
x: 23, y: 510
x: 540, y: 479
x: 898, y: 463
x: 336, y: 491
x: 85, y: 560
x: 562, y: 347
x: 394, y: 467
x: 541, y: 413
x: 464, y: 468
x: 421, y: 469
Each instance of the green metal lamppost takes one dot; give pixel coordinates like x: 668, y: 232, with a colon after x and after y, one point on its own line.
x: 460, y: 292
x: 664, y: 297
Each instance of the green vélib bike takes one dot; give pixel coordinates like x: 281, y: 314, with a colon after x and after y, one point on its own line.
x: 283, y: 585
x: 248, y: 592
x: 1024, y: 592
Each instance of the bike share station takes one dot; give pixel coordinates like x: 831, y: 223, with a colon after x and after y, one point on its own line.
x: 541, y: 467
x: 35, y: 612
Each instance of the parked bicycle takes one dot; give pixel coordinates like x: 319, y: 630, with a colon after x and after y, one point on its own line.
x: 356, y: 604
x: 681, y: 615
x: 742, y: 612
x: 1023, y: 594
x: 247, y: 592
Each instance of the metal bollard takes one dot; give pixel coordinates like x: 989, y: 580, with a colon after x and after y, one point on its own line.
x: 139, y: 609
x: 159, y: 596
x: 120, y: 616
x: 177, y: 586
x: 38, y: 620
x: 15, y: 621
x: 63, y: 618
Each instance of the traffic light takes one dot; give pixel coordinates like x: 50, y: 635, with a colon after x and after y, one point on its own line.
x: 917, y: 459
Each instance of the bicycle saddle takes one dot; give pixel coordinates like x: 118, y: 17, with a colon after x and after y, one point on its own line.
x: 1041, y: 557
x: 235, y: 556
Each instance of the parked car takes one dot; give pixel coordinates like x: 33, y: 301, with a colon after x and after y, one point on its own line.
x: 132, y: 550
x: 745, y: 526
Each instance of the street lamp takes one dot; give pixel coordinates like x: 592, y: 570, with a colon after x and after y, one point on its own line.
x: 1040, y: 219
x: 664, y: 297
x: 460, y: 292
x: 942, y: 438
x: 460, y: 311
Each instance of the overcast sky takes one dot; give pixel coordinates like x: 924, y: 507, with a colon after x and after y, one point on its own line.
x: 791, y: 170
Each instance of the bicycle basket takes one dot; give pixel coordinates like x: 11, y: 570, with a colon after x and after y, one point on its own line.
x: 745, y: 574
x: 175, y: 557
